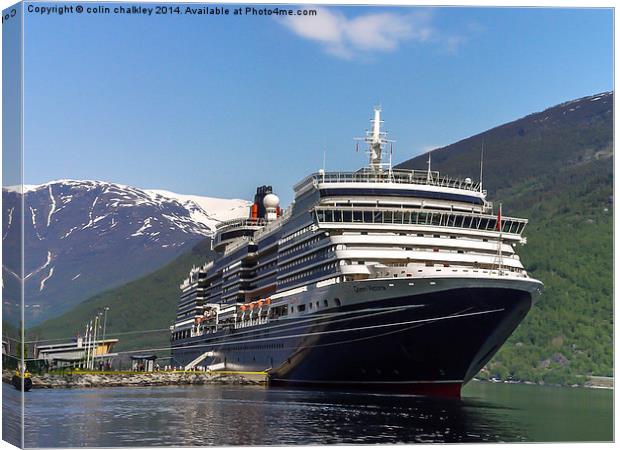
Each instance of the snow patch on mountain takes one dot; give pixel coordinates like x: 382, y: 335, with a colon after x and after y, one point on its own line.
x: 42, y: 284
x: 208, y: 211
x: 201, y: 214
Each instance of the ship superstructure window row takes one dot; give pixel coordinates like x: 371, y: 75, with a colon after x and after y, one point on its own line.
x: 430, y: 218
x: 296, y: 234
x: 302, y: 245
x: 307, y: 274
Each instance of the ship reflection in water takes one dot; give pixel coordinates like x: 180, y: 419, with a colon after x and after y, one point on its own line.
x: 228, y: 415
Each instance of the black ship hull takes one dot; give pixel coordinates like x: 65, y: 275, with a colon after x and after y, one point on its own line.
x: 428, y: 344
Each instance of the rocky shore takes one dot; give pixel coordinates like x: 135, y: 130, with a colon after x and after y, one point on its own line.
x: 85, y: 380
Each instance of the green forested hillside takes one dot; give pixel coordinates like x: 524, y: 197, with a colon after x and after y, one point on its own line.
x: 556, y: 169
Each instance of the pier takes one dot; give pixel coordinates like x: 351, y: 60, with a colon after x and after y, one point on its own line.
x: 88, y: 379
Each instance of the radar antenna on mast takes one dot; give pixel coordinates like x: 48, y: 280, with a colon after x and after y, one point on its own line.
x: 429, y: 175
x: 376, y: 140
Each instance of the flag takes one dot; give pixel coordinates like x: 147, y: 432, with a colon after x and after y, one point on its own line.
x: 499, y: 218
x: 357, y: 146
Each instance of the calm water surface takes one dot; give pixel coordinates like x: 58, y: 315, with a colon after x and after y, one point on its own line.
x: 248, y: 415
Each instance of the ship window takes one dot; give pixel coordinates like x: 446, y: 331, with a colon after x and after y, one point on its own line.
x: 301, y: 308
x: 338, y: 302
x: 436, y: 235
x: 420, y: 235
x: 326, y: 303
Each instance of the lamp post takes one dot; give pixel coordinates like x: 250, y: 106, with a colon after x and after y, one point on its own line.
x: 89, y: 328
x: 85, y: 345
x: 105, y: 317
x: 97, y: 325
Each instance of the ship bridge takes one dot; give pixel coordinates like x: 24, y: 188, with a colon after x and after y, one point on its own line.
x: 426, y: 186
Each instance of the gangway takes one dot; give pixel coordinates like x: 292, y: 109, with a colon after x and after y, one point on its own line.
x: 198, y: 360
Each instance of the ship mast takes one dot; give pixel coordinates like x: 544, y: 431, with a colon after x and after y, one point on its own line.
x: 376, y: 140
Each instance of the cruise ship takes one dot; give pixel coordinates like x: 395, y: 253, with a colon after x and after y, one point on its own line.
x: 380, y: 279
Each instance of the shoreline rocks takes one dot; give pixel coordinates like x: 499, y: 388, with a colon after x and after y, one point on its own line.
x: 137, y: 379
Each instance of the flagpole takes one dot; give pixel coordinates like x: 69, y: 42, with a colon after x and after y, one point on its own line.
x: 89, y: 328
x: 85, y: 345
x: 499, y: 242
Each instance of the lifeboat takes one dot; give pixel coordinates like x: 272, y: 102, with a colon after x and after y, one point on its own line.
x: 22, y: 380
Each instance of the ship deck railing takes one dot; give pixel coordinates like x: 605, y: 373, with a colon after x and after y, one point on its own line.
x: 237, y: 223
x: 274, y: 224
x: 251, y: 322
x: 436, y: 218
x: 267, y: 227
x: 397, y: 176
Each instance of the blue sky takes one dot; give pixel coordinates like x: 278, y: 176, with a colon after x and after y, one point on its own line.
x: 218, y: 105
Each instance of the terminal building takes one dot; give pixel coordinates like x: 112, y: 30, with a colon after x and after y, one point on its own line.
x: 74, y: 353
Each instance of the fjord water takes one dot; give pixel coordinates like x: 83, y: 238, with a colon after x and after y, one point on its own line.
x: 249, y: 415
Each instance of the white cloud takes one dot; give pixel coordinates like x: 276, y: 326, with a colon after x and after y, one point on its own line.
x: 375, y: 32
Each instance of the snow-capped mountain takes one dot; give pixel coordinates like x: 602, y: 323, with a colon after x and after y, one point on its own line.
x: 82, y: 237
